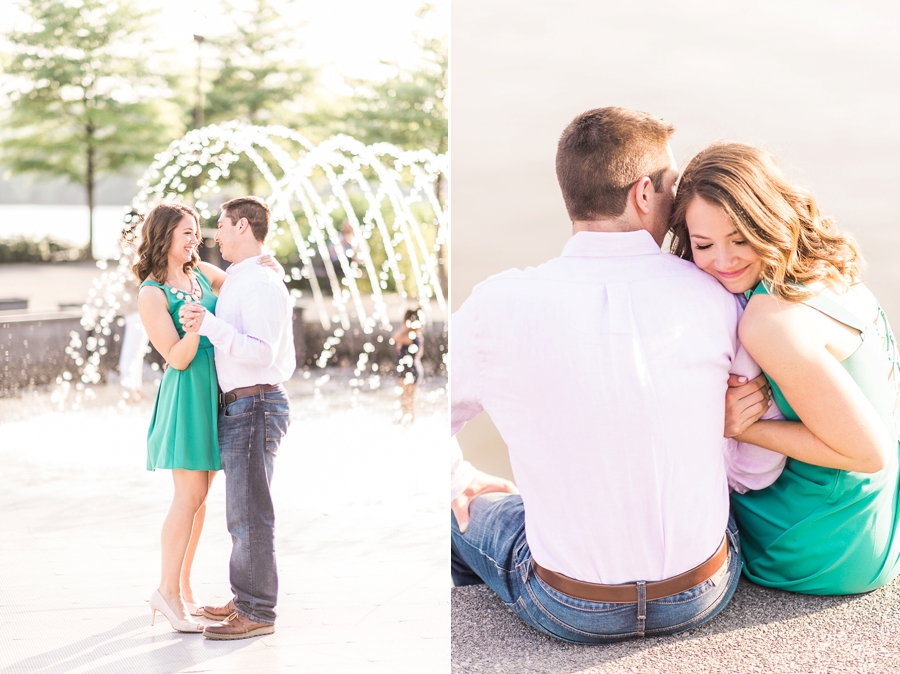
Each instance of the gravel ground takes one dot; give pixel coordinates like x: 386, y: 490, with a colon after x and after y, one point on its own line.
x: 762, y: 630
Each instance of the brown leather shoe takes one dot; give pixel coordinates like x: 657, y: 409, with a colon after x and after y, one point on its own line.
x: 218, y: 612
x: 237, y: 627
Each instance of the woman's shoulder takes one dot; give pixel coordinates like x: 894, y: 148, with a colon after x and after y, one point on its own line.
x: 769, y: 320
x: 150, y: 282
x: 151, y: 293
x: 209, y: 270
x: 201, y: 276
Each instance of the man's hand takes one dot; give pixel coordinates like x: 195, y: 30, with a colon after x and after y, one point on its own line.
x: 191, y: 316
x: 482, y: 483
x: 745, y: 403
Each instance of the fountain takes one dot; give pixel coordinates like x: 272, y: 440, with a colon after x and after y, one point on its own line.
x: 366, y: 219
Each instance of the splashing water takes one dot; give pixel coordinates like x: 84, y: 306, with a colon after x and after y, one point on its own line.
x: 367, y: 219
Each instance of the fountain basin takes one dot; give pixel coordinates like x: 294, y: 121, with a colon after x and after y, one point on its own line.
x: 33, y: 348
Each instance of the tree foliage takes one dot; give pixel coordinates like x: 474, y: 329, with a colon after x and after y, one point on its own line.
x: 409, y: 109
x: 260, y: 68
x: 83, y: 103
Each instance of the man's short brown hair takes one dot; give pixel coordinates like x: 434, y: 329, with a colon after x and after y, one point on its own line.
x: 603, y: 153
x: 257, y: 212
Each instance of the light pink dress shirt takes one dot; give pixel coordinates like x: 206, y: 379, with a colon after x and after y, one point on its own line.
x: 461, y: 471
x: 605, y: 372
x: 252, y: 330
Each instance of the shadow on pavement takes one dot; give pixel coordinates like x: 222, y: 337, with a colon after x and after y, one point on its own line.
x: 128, y: 648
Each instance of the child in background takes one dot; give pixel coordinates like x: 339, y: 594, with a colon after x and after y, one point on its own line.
x: 408, y: 340
x: 134, y: 346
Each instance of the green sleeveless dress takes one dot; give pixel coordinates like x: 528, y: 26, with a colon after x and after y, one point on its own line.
x: 821, y: 530
x: 184, y: 428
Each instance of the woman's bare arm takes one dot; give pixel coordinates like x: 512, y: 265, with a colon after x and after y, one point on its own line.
x: 215, y: 275
x: 401, y: 338
x: 154, y: 309
x: 840, y: 427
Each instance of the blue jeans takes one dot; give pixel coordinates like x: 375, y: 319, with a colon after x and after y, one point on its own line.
x: 494, y: 551
x: 250, y: 431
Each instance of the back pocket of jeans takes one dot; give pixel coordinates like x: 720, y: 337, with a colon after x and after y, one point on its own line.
x: 276, y: 426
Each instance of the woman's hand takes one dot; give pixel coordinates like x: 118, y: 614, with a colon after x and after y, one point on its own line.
x: 273, y: 264
x: 191, y: 316
x: 745, y: 402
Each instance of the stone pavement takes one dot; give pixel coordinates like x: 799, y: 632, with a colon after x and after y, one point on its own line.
x: 761, y: 630
x: 361, y: 540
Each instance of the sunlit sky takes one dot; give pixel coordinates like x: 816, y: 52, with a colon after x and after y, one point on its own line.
x: 342, y: 37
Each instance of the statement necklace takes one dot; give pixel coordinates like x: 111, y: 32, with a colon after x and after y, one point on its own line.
x: 194, y: 295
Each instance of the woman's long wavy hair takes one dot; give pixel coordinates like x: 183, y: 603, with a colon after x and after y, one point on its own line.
x: 780, y: 221
x: 156, y: 239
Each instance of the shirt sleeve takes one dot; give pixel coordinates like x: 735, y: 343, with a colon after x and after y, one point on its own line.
x: 262, y: 319
x: 461, y: 471
x: 465, y: 403
x: 748, y: 466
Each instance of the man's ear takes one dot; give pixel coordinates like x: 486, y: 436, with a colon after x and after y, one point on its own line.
x: 243, y: 224
x: 640, y: 194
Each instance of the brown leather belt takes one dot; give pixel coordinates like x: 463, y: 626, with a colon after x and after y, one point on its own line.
x: 627, y: 593
x: 257, y: 389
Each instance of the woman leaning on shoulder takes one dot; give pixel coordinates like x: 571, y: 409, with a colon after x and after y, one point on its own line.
x: 829, y: 523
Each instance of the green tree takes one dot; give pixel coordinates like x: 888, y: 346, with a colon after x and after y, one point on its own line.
x: 261, y: 68
x: 82, y: 101
x: 409, y: 109
x: 261, y: 71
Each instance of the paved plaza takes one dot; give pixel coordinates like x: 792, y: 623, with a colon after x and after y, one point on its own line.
x: 361, y: 539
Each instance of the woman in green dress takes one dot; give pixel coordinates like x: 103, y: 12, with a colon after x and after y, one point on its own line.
x: 828, y: 523
x: 183, y: 431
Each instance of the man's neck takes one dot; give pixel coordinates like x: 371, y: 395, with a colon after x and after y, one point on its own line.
x: 619, y: 224
x: 247, y: 253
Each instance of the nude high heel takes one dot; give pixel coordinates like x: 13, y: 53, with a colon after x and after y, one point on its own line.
x: 193, y: 609
x: 158, y: 603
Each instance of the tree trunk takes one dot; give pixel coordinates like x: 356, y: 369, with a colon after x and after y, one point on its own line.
x: 443, y: 262
x: 89, y: 185
x: 250, y: 183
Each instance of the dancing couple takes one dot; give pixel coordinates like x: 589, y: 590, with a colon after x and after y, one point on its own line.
x: 614, y: 371
x: 228, y: 340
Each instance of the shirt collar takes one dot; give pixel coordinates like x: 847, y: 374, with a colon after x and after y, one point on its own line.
x: 611, y: 244
x: 243, y: 264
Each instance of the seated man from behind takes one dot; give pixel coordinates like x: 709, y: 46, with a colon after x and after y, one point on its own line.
x: 605, y: 371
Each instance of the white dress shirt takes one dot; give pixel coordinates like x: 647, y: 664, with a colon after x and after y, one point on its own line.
x: 748, y: 466
x: 605, y: 372
x: 461, y: 471
x: 252, y: 329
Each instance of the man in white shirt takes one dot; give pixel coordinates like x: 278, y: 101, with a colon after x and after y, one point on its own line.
x: 605, y: 371
x: 254, y: 345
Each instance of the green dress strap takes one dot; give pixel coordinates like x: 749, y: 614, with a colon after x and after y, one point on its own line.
x: 832, y: 309
x: 822, y: 303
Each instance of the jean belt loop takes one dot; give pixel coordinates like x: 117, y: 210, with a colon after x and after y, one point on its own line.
x: 641, y: 606
x: 732, y: 541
